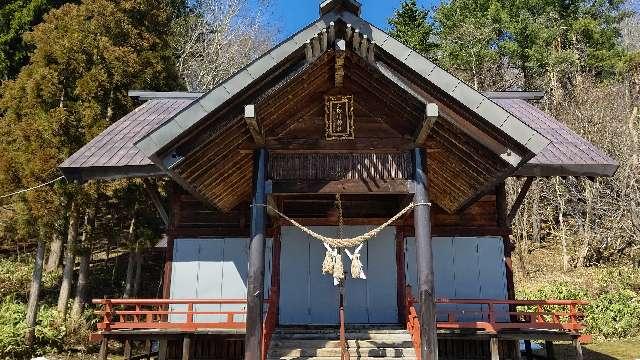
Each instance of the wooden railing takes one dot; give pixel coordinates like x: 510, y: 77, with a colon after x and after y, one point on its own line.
x: 494, y: 315
x: 158, y: 314
x: 270, y: 321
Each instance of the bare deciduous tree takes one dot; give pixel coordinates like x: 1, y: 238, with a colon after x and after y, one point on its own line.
x: 217, y: 38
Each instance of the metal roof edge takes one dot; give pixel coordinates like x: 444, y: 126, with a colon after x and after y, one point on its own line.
x: 576, y: 170
x: 83, y: 174
x: 168, y: 132
x: 469, y: 97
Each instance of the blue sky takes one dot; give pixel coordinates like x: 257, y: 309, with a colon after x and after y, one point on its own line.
x: 292, y: 15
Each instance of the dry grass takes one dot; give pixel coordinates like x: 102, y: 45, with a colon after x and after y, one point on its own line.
x: 622, y: 349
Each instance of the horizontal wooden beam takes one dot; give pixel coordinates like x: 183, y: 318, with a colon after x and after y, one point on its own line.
x: 355, y: 186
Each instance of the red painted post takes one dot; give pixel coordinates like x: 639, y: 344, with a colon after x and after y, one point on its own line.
x: 190, y: 313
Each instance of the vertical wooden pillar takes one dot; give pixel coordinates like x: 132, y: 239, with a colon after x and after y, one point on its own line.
x: 548, y: 347
x: 426, y: 296
x: 255, y: 288
x: 495, y: 349
x: 162, y: 348
x: 503, y: 223
x: 578, y: 346
x: 186, y: 348
x: 401, y: 276
x: 527, y: 349
x: 104, y: 349
x: 275, y: 267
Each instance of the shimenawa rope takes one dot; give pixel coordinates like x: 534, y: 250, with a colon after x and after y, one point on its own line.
x: 332, y: 263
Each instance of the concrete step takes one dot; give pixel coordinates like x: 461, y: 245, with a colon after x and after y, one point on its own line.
x: 355, y: 344
x: 336, y: 351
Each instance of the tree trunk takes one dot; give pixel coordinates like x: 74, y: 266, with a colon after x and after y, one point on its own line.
x: 83, y: 272
x: 138, y: 277
x: 81, y: 289
x: 563, y: 235
x: 34, y: 294
x: 69, y: 261
x: 55, y: 253
x: 128, y: 288
x: 586, y: 232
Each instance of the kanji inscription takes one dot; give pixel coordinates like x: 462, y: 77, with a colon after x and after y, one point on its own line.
x: 339, y: 117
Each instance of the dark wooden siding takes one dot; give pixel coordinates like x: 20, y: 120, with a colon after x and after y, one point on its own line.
x: 301, y: 166
x: 195, y: 218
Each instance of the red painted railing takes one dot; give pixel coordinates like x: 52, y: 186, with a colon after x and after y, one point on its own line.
x: 270, y: 321
x: 413, y: 323
x: 158, y: 314
x: 496, y: 316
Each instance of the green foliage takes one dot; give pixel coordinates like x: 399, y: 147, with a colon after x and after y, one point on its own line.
x: 544, y: 41
x: 50, y: 329
x: 86, y: 57
x: 12, y: 328
x: 15, y: 278
x: 410, y: 25
x: 469, y: 34
x: 615, y: 314
x: 16, y: 18
x: 614, y: 306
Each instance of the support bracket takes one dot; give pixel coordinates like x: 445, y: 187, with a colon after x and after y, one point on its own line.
x: 152, y: 191
x: 252, y: 123
x: 431, y: 116
x: 519, y: 199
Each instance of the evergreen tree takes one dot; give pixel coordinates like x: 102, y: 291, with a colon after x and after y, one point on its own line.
x: 469, y: 32
x: 16, y: 18
x: 564, y: 39
x: 410, y: 25
x: 86, y: 57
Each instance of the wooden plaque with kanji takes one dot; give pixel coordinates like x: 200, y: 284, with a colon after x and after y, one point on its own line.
x: 339, y: 117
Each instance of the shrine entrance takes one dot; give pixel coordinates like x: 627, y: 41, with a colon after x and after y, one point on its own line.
x: 307, y: 297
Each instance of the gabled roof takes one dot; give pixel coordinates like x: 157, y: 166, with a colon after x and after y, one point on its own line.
x: 170, y: 132
x: 112, y: 154
x: 567, y: 155
x: 203, y: 142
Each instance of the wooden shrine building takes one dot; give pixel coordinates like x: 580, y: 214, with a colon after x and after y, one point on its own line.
x: 338, y: 128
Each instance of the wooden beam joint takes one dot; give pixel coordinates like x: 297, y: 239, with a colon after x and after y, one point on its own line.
x: 431, y: 116
x: 252, y: 123
x: 519, y: 200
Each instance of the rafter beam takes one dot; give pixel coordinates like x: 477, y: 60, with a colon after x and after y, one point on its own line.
x: 152, y: 191
x: 340, y: 55
x: 519, y: 199
x: 252, y: 123
x: 430, y: 119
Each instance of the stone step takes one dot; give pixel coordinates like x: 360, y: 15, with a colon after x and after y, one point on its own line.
x: 295, y: 344
x: 387, y: 329
x: 338, y: 358
x: 399, y: 336
x: 336, y: 351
